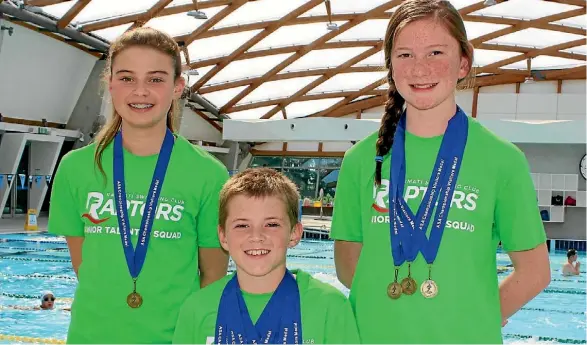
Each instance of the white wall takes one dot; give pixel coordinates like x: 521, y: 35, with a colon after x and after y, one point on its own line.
x: 40, y: 77
x: 193, y: 127
x: 535, y: 101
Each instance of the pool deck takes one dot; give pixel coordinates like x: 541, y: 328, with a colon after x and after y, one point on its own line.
x: 16, y: 224
x: 12, y: 225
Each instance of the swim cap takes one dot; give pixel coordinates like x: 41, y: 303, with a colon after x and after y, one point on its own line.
x: 45, y: 293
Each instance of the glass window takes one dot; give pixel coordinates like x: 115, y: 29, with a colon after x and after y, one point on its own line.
x: 349, y: 81
x: 248, y: 68
x: 260, y: 10
x: 305, y: 179
x: 266, y: 161
x: 251, y: 113
x: 369, y: 29
x: 325, y: 57
x: 58, y: 10
x: 526, y: 9
x: 111, y: 33
x: 328, y: 180
x: 181, y: 23
x: 331, y: 162
x: 527, y: 37
x: 477, y: 29
x: 277, y: 89
x: 300, y: 162
x: 102, y: 9
x: 305, y: 108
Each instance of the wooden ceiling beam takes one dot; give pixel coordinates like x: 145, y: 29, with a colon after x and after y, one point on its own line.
x: 303, y: 98
x: 208, y: 24
x: 256, y: 39
x: 328, y: 112
x: 204, y: 117
x: 150, y: 14
x: 527, y: 24
x: 329, y: 74
x: 307, y: 48
x: 369, y: 103
x: 533, y: 53
x: 358, y: 106
x: 111, y: 22
x: 580, y: 3
x: 513, y: 22
x: 72, y: 13
x: 232, y: 29
x: 41, y: 3
x: 287, y: 75
x: 285, y: 50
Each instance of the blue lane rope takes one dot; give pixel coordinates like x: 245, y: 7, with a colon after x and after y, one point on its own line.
x: 37, y: 275
x: 541, y: 338
x: 25, y: 296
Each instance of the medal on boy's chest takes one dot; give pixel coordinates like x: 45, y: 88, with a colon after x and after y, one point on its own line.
x: 135, y: 257
x: 134, y: 299
x: 408, y: 230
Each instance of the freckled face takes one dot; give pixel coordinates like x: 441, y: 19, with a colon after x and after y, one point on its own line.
x: 426, y: 64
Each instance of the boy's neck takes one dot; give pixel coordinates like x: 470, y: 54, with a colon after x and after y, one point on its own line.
x: 143, y: 141
x: 260, y: 285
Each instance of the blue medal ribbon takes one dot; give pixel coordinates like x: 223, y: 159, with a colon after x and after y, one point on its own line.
x: 135, y: 258
x: 280, y: 322
x: 408, y: 231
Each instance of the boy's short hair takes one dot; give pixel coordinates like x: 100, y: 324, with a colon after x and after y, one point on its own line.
x: 257, y: 183
x: 571, y: 252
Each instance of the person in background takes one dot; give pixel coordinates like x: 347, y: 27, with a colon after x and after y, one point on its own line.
x: 572, y: 266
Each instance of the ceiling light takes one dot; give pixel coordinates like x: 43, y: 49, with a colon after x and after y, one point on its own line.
x: 197, y: 14
x: 193, y: 72
x: 489, y: 2
x: 332, y: 26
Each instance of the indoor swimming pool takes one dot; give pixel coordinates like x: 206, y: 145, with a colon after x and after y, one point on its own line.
x: 31, y: 263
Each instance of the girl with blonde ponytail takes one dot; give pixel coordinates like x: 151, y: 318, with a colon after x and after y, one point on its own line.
x: 422, y: 204
x: 139, y: 206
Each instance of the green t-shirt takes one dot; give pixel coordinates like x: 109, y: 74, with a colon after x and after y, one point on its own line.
x: 327, y: 316
x: 494, y: 201
x: 186, y: 218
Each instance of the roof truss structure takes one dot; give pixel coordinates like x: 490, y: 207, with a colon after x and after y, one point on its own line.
x: 507, y: 55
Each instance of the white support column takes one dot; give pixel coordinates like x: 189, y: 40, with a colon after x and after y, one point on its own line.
x: 11, y: 149
x: 44, y: 152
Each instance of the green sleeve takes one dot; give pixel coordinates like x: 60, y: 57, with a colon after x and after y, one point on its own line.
x: 517, y: 216
x: 64, y: 216
x: 341, y: 326
x: 207, y: 222
x: 346, y: 217
x: 185, y: 326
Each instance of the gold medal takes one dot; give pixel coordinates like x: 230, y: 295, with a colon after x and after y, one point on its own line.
x: 394, y: 290
x: 134, y: 300
x: 429, y: 288
x: 409, y: 285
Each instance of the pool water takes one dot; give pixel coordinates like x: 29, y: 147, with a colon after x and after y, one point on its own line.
x: 31, y: 263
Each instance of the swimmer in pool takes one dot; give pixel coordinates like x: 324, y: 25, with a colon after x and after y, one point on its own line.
x: 572, y: 266
x: 47, y: 303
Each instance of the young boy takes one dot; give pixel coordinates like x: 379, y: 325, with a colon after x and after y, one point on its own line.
x: 263, y: 302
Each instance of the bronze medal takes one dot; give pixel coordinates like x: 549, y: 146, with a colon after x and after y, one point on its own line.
x: 409, y: 286
x: 394, y: 290
x: 134, y: 300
